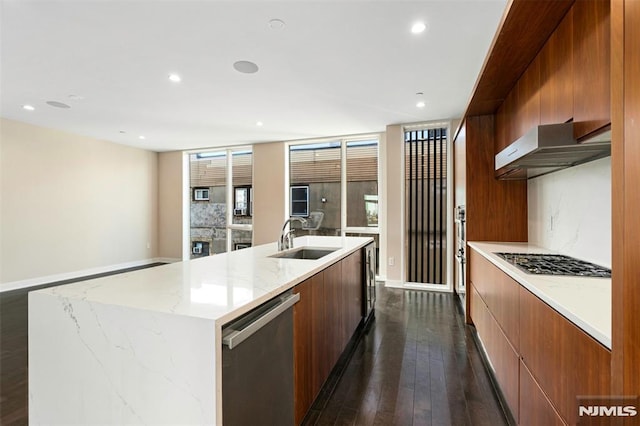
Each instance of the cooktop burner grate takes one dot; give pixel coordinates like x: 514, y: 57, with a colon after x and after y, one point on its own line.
x: 555, y: 264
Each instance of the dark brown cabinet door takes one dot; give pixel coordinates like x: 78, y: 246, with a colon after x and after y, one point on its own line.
x: 556, y: 74
x: 333, y: 314
x: 505, y: 122
x: 591, y: 66
x: 324, y: 320
x: 503, y: 356
x: 303, y: 392
x: 564, y: 360
x: 352, y: 290
x: 528, y: 100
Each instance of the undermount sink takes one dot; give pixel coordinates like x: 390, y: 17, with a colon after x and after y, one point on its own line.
x: 304, y: 253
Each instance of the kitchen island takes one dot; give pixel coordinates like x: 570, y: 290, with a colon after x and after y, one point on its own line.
x: 145, y: 346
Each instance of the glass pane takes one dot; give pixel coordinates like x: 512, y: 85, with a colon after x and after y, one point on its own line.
x: 242, y: 170
x: 240, y: 239
x: 208, y: 217
x: 362, y: 183
x: 318, y: 167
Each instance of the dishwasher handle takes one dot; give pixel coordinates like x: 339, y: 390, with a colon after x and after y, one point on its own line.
x: 235, y: 337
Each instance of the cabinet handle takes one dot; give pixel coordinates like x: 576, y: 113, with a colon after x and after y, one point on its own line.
x: 235, y: 337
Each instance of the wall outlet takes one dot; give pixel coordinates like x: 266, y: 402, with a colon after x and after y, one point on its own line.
x: 392, y: 261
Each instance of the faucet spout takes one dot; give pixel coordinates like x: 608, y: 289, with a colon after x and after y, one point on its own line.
x: 285, y: 241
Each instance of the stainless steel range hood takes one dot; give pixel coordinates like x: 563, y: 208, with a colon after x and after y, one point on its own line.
x: 548, y: 148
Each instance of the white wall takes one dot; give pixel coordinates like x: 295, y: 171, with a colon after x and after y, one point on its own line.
x: 72, y: 204
x: 570, y: 211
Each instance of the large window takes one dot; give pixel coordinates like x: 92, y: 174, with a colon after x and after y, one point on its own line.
x: 220, y: 211
x: 362, y: 183
x: 334, y: 184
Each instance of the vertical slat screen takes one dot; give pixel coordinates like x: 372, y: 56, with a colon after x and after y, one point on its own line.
x: 425, y: 195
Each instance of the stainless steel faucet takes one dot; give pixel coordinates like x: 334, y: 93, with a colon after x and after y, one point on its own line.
x: 286, y: 240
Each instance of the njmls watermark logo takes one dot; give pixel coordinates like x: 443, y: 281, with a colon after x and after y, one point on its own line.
x: 601, y: 410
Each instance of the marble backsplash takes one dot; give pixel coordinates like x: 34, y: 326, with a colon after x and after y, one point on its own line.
x: 570, y: 211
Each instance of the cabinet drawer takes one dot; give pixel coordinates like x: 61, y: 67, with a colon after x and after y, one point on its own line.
x: 500, y: 294
x: 502, y: 356
x: 564, y: 360
x: 535, y: 408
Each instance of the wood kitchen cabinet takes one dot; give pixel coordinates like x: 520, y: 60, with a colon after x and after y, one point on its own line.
x: 520, y: 110
x: 556, y: 74
x: 535, y: 408
x: 499, y: 292
x: 496, y: 210
x: 504, y: 358
x: 304, y: 391
x: 334, y: 317
x: 352, y: 279
x: 569, y: 79
x: 591, y: 66
x: 550, y: 362
x: 564, y: 360
x: 324, y: 321
x: 527, y: 100
x: 505, y: 122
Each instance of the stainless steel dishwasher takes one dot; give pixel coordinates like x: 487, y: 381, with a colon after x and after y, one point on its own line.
x: 257, y: 365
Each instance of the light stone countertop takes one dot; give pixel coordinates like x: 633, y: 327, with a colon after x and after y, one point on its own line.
x: 585, y: 301
x: 145, y: 347
x: 218, y: 287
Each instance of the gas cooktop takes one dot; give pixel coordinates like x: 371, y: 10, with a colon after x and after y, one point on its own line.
x: 555, y: 264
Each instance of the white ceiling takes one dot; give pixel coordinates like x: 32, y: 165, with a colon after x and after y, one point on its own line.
x: 337, y: 67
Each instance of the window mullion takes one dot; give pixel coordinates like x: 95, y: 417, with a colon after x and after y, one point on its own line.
x: 229, y: 196
x: 343, y: 187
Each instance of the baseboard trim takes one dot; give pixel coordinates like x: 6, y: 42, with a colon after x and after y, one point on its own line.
x: 414, y: 286
x: 32, y: 282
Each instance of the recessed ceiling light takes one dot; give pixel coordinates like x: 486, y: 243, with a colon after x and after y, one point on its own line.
x: 245, y: 67
x: 420, y: 104
x: 28, y: 107
x: 141, y: 137
x: 418, y: 27
x: 57, y: 104
x: 259, y: 123
x: 75, y: 97
x: 276, y: 24
x: 123, y: 132
x: 175, y: 78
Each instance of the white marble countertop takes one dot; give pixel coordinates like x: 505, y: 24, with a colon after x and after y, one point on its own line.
x: 220, y: 287
x: 585, y: 301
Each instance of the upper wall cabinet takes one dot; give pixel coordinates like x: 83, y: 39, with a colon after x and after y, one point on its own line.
x: 568, y: 80
x: 591, y: 66
x: 506, y: 122
x: 520, y: 110
x: 556, y: 74
x: 528, y: 99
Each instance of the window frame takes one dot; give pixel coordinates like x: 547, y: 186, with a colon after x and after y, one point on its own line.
x: 291, y: 200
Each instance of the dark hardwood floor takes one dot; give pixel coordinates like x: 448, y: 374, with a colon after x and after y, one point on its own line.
x: 14, y: 349
x: 417, y: 364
